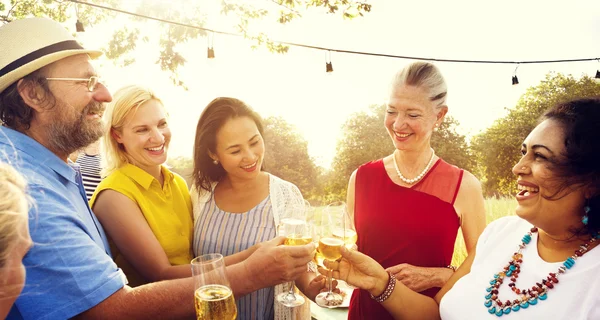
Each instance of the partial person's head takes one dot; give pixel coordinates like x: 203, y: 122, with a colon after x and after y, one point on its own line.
x: 416, y: 106
x: 559, y: 171
x: 14, y: 236
x: 229, y: 141
x: 48, y: 86
x: 136, y: 130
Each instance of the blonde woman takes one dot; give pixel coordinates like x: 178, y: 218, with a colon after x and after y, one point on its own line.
x: 14, y: 236
x: 144, y: 207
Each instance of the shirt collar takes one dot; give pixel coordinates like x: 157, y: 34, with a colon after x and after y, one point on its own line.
x: 38, y: 153
x: 142, y: 177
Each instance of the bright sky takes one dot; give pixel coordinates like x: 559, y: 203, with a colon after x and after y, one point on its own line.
x: 296, y: 87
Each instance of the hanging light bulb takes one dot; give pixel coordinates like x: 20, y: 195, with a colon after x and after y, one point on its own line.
x: 515, y: 80
x: 78, y: 24
x: 328, y: 67
x: 211, y: 50
x: 328, y: 63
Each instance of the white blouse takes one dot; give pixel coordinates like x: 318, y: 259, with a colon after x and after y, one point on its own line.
x: 575, y: 296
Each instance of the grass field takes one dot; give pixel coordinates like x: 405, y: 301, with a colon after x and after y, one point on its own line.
x: 494, y: 209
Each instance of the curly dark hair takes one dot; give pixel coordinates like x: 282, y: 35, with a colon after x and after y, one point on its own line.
x: 14, y: 112
x: 212, y: 119
x: 580, y: 120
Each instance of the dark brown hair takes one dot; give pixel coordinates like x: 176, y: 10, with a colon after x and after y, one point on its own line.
x: 14, y: 112
x: 580, y: 120
x: 214, y: 116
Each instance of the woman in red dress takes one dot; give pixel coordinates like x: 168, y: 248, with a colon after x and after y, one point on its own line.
x: 409, y: 205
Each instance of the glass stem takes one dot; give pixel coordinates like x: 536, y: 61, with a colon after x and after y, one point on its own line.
x: 330, y: 280
x: 292, y: 284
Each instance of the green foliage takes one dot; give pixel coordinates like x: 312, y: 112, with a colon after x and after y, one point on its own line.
x: 497, y: 149
x: 287, y: 157
x: 365, y: 139
x: 192, y: 13
x: 183, y: 166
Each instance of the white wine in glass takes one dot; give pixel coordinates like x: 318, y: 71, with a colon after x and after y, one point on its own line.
x: 347, y: 235
x: 296, y: 233
x: 215, y: 301
x: 329, y: 248
x: 213, y: 297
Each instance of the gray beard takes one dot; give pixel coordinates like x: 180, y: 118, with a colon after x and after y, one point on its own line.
x: 67, y: 137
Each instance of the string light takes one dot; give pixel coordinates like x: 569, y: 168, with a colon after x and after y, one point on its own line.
x: 211, y: 51
x: 78, y: 24
x: 329, y: 65
x: 515, y: 80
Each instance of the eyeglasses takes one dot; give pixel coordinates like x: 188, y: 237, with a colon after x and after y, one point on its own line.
x: 92, y: 82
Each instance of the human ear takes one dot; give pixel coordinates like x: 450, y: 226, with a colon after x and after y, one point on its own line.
x: 31, y: 94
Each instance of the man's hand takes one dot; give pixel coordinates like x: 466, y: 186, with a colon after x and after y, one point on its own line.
x: 272, y: 263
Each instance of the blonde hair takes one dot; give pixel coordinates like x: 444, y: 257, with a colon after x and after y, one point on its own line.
x: 13, y: 209
x: 426, y: 76
x: 125, y: 101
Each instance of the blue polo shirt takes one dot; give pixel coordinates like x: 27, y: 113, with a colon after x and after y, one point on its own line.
x: 69, y: 268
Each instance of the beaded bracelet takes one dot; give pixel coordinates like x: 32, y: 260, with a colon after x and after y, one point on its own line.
x: 451, y: 267
x: 388, y: 290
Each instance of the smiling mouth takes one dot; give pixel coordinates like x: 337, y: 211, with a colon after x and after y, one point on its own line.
x: 157, y: 148
x: 250, y: 166
x: 402, y: 135
x: 526, y: 191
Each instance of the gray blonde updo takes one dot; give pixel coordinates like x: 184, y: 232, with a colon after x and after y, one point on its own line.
x: 426, y: 76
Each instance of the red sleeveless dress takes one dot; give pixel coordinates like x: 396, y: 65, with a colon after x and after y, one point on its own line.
x: 396, y: 224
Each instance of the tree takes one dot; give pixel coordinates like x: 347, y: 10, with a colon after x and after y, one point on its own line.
x: 126, y: 39
x: 183, y: 166
x: 365, y: 139
x: 497, y: 149
x: 286, y: 156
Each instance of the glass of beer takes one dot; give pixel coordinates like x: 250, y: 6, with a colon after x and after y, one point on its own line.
x: 297, y: 233
x: 332, y: 231
x: 213, y: 297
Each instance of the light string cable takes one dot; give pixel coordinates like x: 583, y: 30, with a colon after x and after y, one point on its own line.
x: 375, y: 54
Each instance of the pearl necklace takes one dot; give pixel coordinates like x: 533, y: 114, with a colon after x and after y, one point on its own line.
x: 420, y: 176
x: 527, y: 297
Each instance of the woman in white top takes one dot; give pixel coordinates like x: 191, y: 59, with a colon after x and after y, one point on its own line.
x: 543, y: 264
x: 237, y: 206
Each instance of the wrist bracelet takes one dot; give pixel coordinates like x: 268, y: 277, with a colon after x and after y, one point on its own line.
x: 451, y: 267
x: 388, y: 290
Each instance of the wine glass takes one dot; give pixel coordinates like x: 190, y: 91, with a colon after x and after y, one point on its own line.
x: 343, y: 224
x: 332, y: 231
x: 297, y: 232
x: 213, y: 296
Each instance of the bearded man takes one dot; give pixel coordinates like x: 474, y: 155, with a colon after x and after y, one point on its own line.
x: 51, y: 104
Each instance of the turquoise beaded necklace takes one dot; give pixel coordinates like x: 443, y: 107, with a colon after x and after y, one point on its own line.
x: 527, y: 297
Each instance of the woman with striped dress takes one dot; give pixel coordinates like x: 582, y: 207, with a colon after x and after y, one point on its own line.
x: 236, y: 205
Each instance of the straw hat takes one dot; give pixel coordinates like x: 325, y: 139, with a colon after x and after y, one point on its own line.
x: 30, y: 44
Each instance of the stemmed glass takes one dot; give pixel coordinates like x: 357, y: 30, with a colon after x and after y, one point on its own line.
x: 335, y: 232
x: 213, y: 296
x: 297, y: 232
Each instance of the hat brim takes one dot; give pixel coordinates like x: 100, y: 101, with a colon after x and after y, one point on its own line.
x: 41, y: 62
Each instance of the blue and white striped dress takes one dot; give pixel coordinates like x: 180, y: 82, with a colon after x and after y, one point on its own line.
x: 228, y: 233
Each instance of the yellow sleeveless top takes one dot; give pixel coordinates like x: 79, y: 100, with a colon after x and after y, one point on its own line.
x: 167, y: 209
